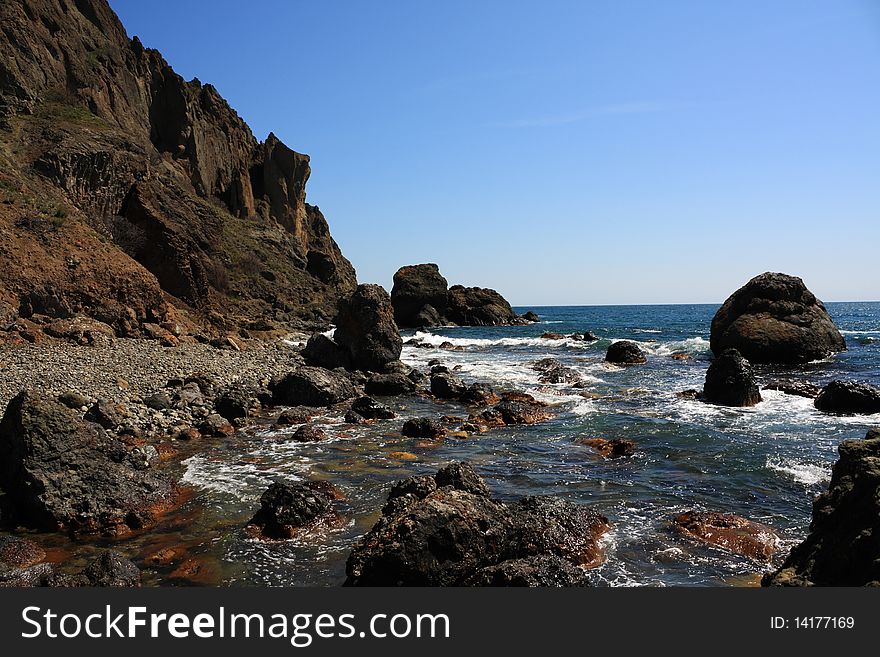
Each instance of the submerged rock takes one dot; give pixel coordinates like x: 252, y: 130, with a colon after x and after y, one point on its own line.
x: 796, y: 388
x: 610, y: 449
x: 445, y: 385
x: 365, y: 327
x: 479, y: 394
x: 624, y: 352
x: 446, y: 530
x: 312, y: 386
x: 369, y: 408
x: 843, y: 546
x: 730, y: 381
x: 774, y: 318
x: 61, y: 473
x: 423, y: 427
x: 849, y: 398
x: 287, y: 508
x: 308, y: 433
x: 733, y: 533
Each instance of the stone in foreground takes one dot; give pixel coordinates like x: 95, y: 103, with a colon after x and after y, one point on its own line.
x: 731, y: 382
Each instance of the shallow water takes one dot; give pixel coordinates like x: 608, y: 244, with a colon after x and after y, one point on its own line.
x: 765, y: 463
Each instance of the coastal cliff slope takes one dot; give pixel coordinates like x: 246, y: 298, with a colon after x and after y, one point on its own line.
x: 133, y: 196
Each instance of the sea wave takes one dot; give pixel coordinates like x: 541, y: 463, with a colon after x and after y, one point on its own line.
x: 802, y: 472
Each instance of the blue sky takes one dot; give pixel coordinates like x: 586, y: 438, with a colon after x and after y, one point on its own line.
x: 566, y: 152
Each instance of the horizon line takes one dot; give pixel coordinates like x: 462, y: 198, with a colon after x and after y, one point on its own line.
x: 657, y: 303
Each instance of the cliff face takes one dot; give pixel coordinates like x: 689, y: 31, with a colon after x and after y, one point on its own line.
x: 133, y: 195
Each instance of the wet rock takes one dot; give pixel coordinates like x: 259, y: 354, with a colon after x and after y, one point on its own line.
x: 447, y: 386
x: 16, y: 552
x: 849, y: 398
x: 216, y: 425
x: 733, y: 533
x: 843, y: 546
x: 691, y: 393
x: 797, y: 388
x: 365, y: 327
x: 352, y: 417
x: 236, y: 402
x: 479, y: 394
x: 423, y: 427
x: 552, y: 336
x: 308, y: 433
x: 285, y: 509
x: 322, y: 351
x: 774, y: 318
x: 625, y: 352
x: 312, y: 386
x: 112, y: 569
x: 450, y: 532
x: 297, y: 415
x: 521, y: 408
x: 730, y: 381
x: 419, y: 296
x: 680, y: 356
x: 610, y: 449
x: 439, y: 369
x: 590, y: 337
x: 370, y: 409
x: 105, y: 413
x: 61, y: 473
x: 552, y: 371
x: 109, y: 569
x: 531, y: 316
x: 389, y: 385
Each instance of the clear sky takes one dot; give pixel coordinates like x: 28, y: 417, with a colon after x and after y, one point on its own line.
x: 583, y: 152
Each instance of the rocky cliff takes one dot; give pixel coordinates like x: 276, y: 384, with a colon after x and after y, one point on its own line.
x: 131, y: 195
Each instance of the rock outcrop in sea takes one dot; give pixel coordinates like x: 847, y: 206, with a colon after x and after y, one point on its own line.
x: 843, y: 547
x: 774, y: 318
x: 421, y: 299
x: 447, y: 530
x: 730, y: 381
x: 140, y: 198
x: 624, y: 352
x: 849, y: 398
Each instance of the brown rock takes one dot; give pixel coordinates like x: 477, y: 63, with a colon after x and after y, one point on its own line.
x: 733, y: 533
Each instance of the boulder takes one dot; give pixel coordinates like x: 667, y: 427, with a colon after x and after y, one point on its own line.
x: 730, y: 381
x: 61, y: 473
x: 479, y: 394
x: 624, y: 352
x: 365, y: 326
x: 445, y: 385
x: 843, y: 546
x: 477, y: 306
x: 105, y: 413
x: 746, y: 538
x: 389, y: 385
x: 82, y: 330
x: 308, y: 433
x: 531, y: 316
x: 849, y: 398
x: 108, y: 569
x: 774, y: 318
x: 285, y: 509
x: 312, y: 386
x: 797, y: 388
x: 369, y: 408
x: 216, y: 425
x: 16, y: 552
x: 446, y: 530
x: 419, y: 296
x: 610, y: 449
x: 552, y: 371
x: 322, y: 351
x: 235, y: 402
x: 297, y: 415
x: 423, y: 427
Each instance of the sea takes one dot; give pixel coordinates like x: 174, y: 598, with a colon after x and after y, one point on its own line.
x: 766, y: 463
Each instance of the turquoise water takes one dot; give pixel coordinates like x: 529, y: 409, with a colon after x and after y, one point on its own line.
x: 765, y: 463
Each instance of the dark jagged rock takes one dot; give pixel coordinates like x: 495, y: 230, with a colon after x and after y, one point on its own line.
x: 849, y: 398
x: 221, y: 226
x: 297, y: 415
x: 309, y: 433
x: 531, y: 316
x: 552, y: 371
x: 514, y: 408
x: 797, y: 388
x: 105, y: 413
x: 423, y: 427
x: 312, y: 386
x: 478, y: 306
x: 235, y: 402
x: 322, y: 351
x: 446, y: 530
x: 419, y: 296
x: 365, y: 327
x: 774, y: 318
x: 730, y: 381
x: 590, y: 337
x: 479, y: 394
x: 286, y: 509
x: 843, y: 546
x: 216, y: 425
x: 625, y: 352
x: 730, y: 532
x: 370, y: 409
x: 108, y: 569
x: 445, y: 385
x: 62, y: 473
x: 389, y: 385
x: 353, y: 417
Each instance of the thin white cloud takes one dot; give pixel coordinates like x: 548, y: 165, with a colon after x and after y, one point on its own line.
x: 650, y: 107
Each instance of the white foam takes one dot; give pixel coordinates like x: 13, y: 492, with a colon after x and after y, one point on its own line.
x: 639, y: 330
x: 802, y: 472
x: 437, y: 340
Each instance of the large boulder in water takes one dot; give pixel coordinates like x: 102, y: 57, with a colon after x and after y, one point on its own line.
x: 365, y: 326
x: 730, y: 532
x: 843, y: 547
x: 419, y: 295
x: 624, y: 352
x: 774, y: 318
x: 312, y: 386
x: 446, y: 530
x: 62, y: 473
x: 285, y: 509
x: 479, y: 306
x: 730, y: 381
x: 849, y: 398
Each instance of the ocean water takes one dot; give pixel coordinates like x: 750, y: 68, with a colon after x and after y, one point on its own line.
x: 766, y: 463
